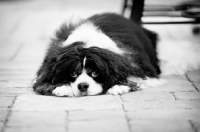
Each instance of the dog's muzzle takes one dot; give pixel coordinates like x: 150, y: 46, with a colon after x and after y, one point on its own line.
x: 83, y: 86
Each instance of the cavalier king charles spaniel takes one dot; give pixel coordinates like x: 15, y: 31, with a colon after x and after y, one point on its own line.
x: 105, y: 53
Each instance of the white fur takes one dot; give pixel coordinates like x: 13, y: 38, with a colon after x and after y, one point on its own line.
x: 92, y: 37
x: 178, y: 57
x: 148, y: 83
x: 118, y: 89
x: 94, y: 88
x: 84, y: 61
x: 152, y: 82
x: 64, y: 90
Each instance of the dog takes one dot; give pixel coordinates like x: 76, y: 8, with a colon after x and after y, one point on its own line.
x: 105, y: 53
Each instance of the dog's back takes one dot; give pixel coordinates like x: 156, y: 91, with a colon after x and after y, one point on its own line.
x: 128, y: 33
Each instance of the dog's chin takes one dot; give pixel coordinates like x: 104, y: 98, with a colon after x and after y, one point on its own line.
x: 86, y: 94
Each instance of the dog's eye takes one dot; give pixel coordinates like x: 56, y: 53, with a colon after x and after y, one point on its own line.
x: 74, y: 74
x: 94, y: 73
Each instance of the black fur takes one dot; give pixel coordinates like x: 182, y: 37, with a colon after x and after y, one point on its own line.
x: 133, y: 37
x: 60, y: 62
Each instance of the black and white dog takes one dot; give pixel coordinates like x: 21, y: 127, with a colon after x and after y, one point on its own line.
x: 105, y: 53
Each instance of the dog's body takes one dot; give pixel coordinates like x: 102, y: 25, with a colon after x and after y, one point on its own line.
x: 101, y: 54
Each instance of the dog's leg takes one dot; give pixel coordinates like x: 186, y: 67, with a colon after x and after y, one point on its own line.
x: 64, y: 90
x: 118, y: 89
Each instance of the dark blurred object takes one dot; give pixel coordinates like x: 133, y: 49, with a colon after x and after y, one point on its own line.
x: 156, y: 8
x: 186, y: 9
x: 196, y: 30
x: 136, y: 7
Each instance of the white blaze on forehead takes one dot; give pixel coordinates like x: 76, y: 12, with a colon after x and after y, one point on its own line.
x: 94, y: 87
x: 92, y: 37
x: 84, y: 61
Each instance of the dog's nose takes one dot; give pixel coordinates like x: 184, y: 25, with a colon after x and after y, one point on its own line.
x: 83, y: 86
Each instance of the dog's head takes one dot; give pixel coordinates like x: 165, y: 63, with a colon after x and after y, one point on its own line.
x: 89, y: 71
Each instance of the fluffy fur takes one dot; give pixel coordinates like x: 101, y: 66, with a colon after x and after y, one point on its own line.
x: 178, y: 58
x: 102, y: 54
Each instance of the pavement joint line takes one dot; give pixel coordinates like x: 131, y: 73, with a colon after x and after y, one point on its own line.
x: 126, y: 116
x: 175, y: 98
x: 8, y: 115
x: 192, y: 83
x: 67, y: 126
x: 17, y: 51
x: 193, y: 125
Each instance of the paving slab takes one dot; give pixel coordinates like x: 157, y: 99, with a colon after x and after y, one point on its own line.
x: 6, y: 102
x: 14, y: 83
x: 36, y: 129
x: 1, y: 126
x: 187, y: 95
x: 173, y: 85
x: 39, y: 119
x: 16, y: 76
x: 96, y: 115
x: 26, y: 29
x: 176, y: 77
x: 194, y: 76
x: 98, y: 126
x: 164, y: 114
x: 17, y: 72
x: 147, y: 96
x: 196, y: 124
x: 197, y: 85
x: 160, y: 126
x: 52, y: 103
x: 3, y: 114
x: 16, y: 91
x: 178, y: 104
x: 29, y: 65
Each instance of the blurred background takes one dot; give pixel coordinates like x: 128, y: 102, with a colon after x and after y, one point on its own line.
x: 26, y: 26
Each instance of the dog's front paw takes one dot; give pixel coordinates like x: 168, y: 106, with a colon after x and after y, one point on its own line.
x: 119, y: 89
x: 64, y: 90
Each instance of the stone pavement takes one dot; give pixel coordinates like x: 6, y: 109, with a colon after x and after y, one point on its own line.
x: 25, y: 29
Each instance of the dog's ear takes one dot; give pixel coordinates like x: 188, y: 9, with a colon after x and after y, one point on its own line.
x: 45, y: 75
x: 42, y: 84
x: 114, y: 68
